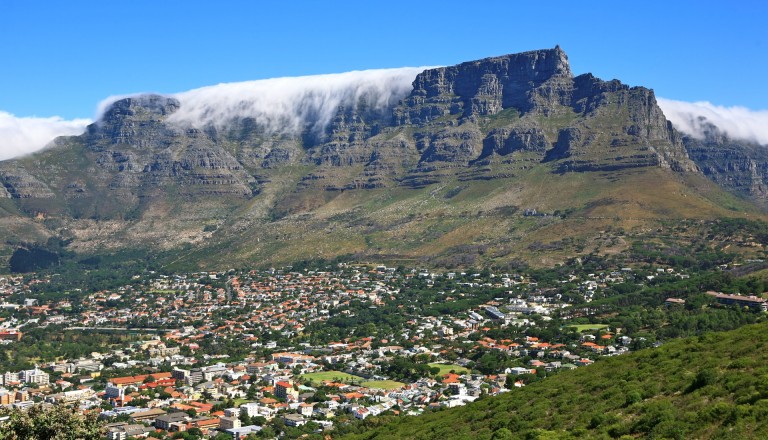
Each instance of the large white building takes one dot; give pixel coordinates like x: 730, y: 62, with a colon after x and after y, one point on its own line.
x: 35, y: 376
x: 254, y: 409
x: 10, y: 377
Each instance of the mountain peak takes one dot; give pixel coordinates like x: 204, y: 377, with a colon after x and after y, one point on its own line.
x: 539, y: 64
x: 487, y: 86
x: 153, y: 104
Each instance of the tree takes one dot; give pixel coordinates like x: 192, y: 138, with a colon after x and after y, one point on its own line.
x: 252, y: 391
x: 268, y: 432
x: 502, y: 434
x: 55, y: 423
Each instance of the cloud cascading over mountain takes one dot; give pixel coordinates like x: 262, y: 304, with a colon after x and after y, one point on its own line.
x: 737, y: 122
x: 291, y: 104
x: 24, y: 135
x: 391, y: 163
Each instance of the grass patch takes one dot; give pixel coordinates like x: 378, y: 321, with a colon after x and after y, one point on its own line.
x: 337, y: 376
x: 503, y: 118
x: 383, y: 384
x: 587, y: 327
x: 446, y: 368
x: 241, y: 401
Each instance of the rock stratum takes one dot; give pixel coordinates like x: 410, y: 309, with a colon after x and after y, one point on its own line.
x: 443, y: 174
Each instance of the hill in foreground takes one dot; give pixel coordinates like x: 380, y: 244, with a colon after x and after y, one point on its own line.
x: 712, y: 386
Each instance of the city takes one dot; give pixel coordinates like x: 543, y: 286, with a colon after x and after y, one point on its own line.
x: 297, y: 351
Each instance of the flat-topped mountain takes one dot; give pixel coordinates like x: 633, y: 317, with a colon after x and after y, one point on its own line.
x: 368, y: 165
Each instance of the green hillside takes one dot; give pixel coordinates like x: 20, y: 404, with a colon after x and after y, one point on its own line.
x: 713, y: 386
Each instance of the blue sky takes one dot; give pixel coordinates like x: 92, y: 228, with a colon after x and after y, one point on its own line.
x: 62, y: 58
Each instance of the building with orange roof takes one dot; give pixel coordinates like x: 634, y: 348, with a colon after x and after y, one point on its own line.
x: 137, y: 380
x: 450, y: 378
x: 201, y: 406
x: 182, y: 407
x: 352, y: 396
x: 204, y: 424
x: 10, y: 335
x: 268, y: 401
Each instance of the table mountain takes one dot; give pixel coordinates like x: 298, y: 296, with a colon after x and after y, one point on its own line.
x: 447, y: 170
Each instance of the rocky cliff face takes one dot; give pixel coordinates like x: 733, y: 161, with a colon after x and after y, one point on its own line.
x: 495, y: 118
x: 531, y: 81
x: 530, y: 102
x: 20, y: 184
x: 139, y: 151
x: 515, y: 109
x: 739, y: 166
x: 127, y: 158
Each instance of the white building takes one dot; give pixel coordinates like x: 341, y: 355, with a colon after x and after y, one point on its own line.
x: 35, y: 376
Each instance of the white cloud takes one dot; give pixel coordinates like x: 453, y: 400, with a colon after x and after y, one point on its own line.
x: 279, y: 105
x: 737, y: 122
x: 296, y: 103
x: 24, y: 135
x: 102, y: 106
x: 289, y: 104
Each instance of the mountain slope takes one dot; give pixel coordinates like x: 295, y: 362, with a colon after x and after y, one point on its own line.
x: 448, y: 170
x: 738, y: 166
x: 713, y: 386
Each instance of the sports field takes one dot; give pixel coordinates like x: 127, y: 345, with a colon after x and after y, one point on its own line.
x: 588, y: 327
x: 337, y: 376
x: 383, y: 384
x: 446, y: 368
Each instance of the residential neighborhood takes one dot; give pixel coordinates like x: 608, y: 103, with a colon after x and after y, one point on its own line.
x: 255, y: 353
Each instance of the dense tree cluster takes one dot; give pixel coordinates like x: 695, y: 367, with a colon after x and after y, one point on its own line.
x: 711, y: 386
x: 40, y: 422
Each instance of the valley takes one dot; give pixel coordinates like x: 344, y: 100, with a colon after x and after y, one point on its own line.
x: 494, y: 249
x: 340, y: 347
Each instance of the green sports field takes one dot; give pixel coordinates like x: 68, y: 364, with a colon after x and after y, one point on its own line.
x: 383, y: 384
x: 337, y: 376
x: 446, y: 368
x: 588, y: 327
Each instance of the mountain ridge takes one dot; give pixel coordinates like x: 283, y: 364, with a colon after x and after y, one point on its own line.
x: 482, y: 136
